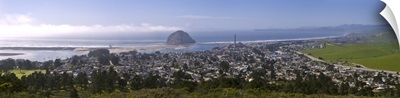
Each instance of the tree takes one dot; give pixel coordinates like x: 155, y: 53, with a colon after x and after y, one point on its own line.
x: 224, y: 66
x: 344, y: 88
x: 103, y: 59
x: 10, y: 83
x: 151, y: 81
x: 136, y: 83
x: 330, y: 67
x: 126, y: 76
x: 99, y: 52
x: 114, y: 59
x: 29, y: 64
x: 8, y: 64
x: 185, y: 67
x: 257, y: 80
x: 57, y: 63
x: 183, y: 80
x: 97, y: 85
x: 75, y: 60
x: 82, y: 80
x: 273, y: 74
x: 353, y: 90
x: 48, y: 65
x: 73, y: 93
x: 122, y: 84
x: 66, y: 80
x: 378, y: 78
x: 111, y: 78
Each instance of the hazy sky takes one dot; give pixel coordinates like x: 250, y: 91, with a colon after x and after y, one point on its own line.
x: 38, y: 18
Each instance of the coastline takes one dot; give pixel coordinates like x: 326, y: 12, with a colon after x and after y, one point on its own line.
x: 37, y: 48
x: 86, y: 50
x: 50, y: 53
x: 11, y: 54
x: 43, y: 53
x: 127, y: 49
x: 274, y: 40
x: 112, y: 49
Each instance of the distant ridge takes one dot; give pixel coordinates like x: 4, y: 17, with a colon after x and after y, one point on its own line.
x: 347, y: 28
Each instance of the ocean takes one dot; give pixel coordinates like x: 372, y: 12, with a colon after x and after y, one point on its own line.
x: 43, y: 49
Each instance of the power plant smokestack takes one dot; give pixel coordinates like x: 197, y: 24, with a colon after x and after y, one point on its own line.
x: 234, y: 40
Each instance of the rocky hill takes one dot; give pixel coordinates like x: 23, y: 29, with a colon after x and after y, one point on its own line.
x: 179, y: 38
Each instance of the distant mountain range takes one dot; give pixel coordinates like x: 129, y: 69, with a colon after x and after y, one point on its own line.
x: 347, y: 28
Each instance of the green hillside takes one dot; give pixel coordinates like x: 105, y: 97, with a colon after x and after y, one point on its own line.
x: 384, y: 37
x: 376, y: 56
x: 384, y: 56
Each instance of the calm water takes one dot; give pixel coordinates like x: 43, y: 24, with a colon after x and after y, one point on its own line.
x: 204, y: 42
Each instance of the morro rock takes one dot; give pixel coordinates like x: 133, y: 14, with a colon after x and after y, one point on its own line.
x: 179, y: 38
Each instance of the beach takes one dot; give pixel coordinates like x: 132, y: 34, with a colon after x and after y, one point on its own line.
x: 10, y: 54
x: 50, y: 49
x: 136, y: 48
x: 51, y: 53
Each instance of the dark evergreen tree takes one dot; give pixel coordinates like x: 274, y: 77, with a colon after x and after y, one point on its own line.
x: 82, y: 80
x: 122, y: 84
x: 136, y: 83
x: 57, y: 63
x: 114, y: 59
x: 111, y: 78
x: 73, y: 93
x: 224, y: 66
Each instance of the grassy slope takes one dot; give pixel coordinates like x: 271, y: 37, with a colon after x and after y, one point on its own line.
x: 387, y: 37
x: 355, y: 51
x: 389, y: 62
x: 19, y: 73
x: 376, y: 56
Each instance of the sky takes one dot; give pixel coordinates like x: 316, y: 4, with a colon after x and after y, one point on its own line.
x: 44, y: 18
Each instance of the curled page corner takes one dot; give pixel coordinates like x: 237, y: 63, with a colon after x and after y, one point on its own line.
x: 390, y: 15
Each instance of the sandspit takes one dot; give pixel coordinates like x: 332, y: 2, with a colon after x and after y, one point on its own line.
x: 11, y: 54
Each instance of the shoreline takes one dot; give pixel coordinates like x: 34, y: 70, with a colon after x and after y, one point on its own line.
x: 18, y: 52
x: 155, y: 47
x: 37, y: 48
x: 11, y: 54
x: 127, y: 49
x: 274, y: 40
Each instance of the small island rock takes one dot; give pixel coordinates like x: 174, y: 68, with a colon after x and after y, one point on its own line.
x: 179, y: 38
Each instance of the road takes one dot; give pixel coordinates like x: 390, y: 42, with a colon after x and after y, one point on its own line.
x: 343, y: 66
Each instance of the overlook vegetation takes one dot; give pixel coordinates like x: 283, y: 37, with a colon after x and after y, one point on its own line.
x: 109, y: 83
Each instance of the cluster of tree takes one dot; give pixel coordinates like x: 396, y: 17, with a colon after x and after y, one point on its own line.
x: 104, y: 56
x: 99, y: 52
x: 50, y: 65
x: 105, y: 81
x: 9, y: 64
x: 108, y: 81
x: 10, y: 83
x: 42, y: 83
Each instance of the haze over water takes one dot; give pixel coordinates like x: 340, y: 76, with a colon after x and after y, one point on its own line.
x: 147, y: 23
x: 204, y: 42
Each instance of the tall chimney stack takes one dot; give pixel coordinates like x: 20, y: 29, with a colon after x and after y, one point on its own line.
x: 234, y: 42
